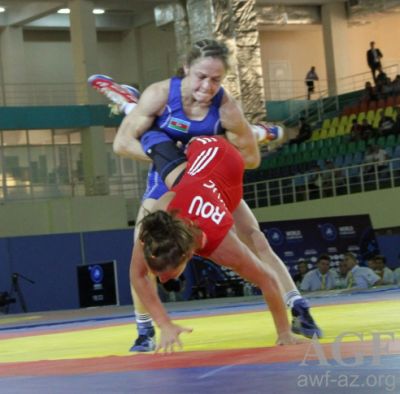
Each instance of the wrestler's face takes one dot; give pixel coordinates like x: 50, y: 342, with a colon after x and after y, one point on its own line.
x: 205, y: 76
x: 175, y: 273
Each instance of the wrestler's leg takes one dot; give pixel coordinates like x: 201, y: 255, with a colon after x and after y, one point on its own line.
x: 145, y: 340
x: 249, y: 233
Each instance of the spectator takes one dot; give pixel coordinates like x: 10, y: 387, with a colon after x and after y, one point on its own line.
x: 396, y: 126
x: 380, y: 81
x: 304, y: 132
x: 396, y: 85
x: 397, y: 275
x: 366, y: 130
x: 375, y: 155
x: 369, y: 93
x: 374, y: 56
x: 320, y: 278
x: 311, y: 77
x: 302, y: 269
x: 386, y: 126
x: 332, y: 179
x: 355, y: 131
x: 359, y: 277
x: 385, y: 273
x: 314, y: 181
x: 341, y: 275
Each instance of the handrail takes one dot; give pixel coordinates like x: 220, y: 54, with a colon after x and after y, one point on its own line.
x: 296, y: 188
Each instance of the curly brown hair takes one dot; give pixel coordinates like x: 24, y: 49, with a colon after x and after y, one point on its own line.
x: 167, y: 239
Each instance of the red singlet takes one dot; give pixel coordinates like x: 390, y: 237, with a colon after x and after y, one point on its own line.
x: 211, y: 188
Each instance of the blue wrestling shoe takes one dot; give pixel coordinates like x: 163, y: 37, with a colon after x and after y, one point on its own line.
x: 145, y: 342
x: 302, y: 322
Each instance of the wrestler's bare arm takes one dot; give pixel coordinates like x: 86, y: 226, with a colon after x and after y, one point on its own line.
x: 239, y: 131
x: 139, y: 120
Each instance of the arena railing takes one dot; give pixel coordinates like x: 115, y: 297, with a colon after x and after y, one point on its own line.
x: 323, y: 184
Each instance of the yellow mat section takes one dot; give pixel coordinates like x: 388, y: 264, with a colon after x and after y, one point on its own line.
x: 236, y: 331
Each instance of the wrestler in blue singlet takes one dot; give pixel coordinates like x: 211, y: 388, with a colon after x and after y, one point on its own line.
x: 174, y: 122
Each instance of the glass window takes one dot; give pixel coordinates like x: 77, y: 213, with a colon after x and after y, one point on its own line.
x: 40, y: 137
x: 14, y: 137
x: 42, y: 164
x: 60, y: 137
x: 75, y: 137
x: 16, y: 172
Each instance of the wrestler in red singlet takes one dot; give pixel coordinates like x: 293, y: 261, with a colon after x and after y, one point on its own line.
x: 210, y: 189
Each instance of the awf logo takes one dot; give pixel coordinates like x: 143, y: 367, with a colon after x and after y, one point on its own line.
x: 328, y: 231
x: 96, y: 273
x: 275, y: 236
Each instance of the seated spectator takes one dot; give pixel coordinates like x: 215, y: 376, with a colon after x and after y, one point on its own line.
x: 355, y: 131
x: 397, y: 272
x: 304, y: 132
x: 396, y: 126
x: 397, y: 276
x: 341, y: 275
x: 369, y: 93
x: 320, y: 278
x: 360, y: 277
x: 381, y: 80
x: 396, y: 85
x: 386, y: 126
x: 386, y: 88
x: 314, y: 182
x: 375, y: 155
x: 366, y: 130
x: 332, y: 179
x: 302, y: 269
x: 385, y: 273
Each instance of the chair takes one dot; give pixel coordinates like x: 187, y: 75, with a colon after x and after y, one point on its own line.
x: 388, y: 111
x: 335, y: 122
x: 361, y: 117
x: 381, y: 142
x: 326, y: 124
x: 361, y: 146
x: 315, y: 134
x: 370, y: 116
x: 332, y: 132
x: 323, y: 134
x: 358, y: 158
x: 341, y: 130
x: 390, y: 101
x: 391, y: 141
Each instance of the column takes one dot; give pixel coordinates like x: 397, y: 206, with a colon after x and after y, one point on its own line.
x: 84, y: 50
x: 234, y: 22
x: 13, y: 67
x: 335, y: 27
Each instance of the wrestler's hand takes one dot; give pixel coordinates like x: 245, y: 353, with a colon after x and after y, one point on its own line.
x: 170, y: 337
x: 289, y: 338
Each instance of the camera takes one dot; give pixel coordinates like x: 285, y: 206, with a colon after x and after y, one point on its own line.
x: 5, y: 299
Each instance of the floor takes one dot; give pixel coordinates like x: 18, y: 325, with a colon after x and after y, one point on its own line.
x: 231, y: 350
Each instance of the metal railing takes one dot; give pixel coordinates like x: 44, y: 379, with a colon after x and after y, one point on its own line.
x: 128, y: 186
x: 323, y: 184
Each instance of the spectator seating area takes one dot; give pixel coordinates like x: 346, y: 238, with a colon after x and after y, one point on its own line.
x: 329, y: 142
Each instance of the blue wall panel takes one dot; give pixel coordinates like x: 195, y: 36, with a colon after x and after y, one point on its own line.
x: 50, y: 261
x: 5, y: 268
x: 389, y: 246
x: 112, y: 245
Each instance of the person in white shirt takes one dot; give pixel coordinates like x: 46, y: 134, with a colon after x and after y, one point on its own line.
x: 320, y: 278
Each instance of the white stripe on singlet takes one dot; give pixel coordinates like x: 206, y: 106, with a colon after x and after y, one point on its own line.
x: 202, y: 161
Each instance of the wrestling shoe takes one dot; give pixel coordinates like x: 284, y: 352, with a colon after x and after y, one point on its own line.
x: 118, y: 94
x: 268, y: 132
x: 302, y: 322
x: 145, y: 342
